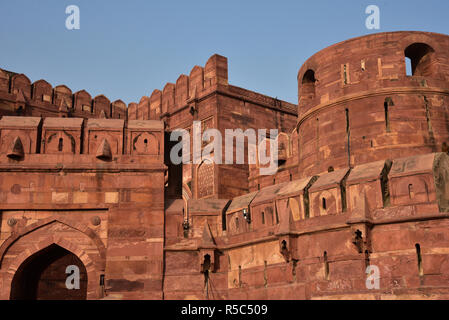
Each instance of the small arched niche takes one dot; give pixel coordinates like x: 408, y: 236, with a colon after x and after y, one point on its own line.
x: 421, y: 59
x: 308, y: 84
x: 146, y: 143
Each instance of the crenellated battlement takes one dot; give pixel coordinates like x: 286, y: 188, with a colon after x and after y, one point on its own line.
x: 373, y: 64
x: 21, y: 97
x: 200, y: 83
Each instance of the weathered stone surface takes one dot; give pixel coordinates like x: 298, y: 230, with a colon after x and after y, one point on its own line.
x: 360, y: 182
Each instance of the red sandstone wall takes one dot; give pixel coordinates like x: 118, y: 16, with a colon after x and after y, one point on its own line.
x: 104, y: 204
x: 206, y: 96
x: 313, y: 238
x: 327, y: 249
x: 313, y: 229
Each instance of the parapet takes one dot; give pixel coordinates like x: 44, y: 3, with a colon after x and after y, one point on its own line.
x: 188, y: 89
x: 40, y: 98
x: 19, y: 122
x: 19, y: 135
x: 145, y: 137
x: 241, y: 202
x: 206, y: 211
x: 388, y: 189
x: 295, y: 195
x: 102, y: 138
x: 370, y: 179
x: 57, y: 130
x: 328, y: 194
x: 372, y: 62
x: 415, y: 180
x: 174, y: 96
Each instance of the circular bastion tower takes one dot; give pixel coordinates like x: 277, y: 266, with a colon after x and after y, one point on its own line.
x: 359, y: 104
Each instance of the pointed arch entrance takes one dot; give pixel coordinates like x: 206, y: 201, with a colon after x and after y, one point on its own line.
x: 21, y: 249
x: 42, y: 276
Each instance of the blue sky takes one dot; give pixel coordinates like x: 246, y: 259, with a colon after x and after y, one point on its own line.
x: 126, y: 49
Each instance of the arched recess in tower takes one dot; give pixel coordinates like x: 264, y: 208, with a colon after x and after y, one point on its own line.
x: 308, y: 83
x: 421, y: 57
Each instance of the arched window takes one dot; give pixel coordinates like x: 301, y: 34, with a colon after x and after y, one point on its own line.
x: 308, y: 84
x: 309, y: 77
x: 421, y: 59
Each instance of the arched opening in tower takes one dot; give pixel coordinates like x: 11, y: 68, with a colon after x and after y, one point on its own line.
x: 421, y: 59
x: 308, y: 84
x: 43, y: 276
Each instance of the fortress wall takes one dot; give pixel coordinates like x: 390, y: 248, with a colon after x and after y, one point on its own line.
x: 357, y: 104
x: 21, y: 97
x: 73, y: 182
x: 328, y: 245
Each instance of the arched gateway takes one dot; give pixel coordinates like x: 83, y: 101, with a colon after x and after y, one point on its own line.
x: 43, y: 276
x: 35, y: 259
